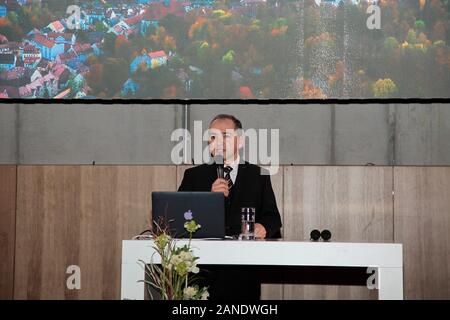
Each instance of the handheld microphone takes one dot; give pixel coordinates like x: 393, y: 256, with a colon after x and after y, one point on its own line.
x: 218, y: 159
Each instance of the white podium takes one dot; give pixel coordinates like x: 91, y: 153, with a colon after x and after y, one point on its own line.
x: 385, y: 257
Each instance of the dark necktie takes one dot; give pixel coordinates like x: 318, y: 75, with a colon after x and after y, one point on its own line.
x: 227, y: 171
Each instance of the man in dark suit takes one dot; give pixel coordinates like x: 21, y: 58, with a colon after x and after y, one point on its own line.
x: 244, y: 185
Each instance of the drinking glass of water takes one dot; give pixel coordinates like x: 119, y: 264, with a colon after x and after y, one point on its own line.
x: 247, y: 224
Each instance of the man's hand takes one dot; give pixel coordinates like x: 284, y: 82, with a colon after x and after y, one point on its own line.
x: 220, y: 185
x: 260, y: 231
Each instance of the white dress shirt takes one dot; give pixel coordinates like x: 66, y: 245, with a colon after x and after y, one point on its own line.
x: 235, y: 166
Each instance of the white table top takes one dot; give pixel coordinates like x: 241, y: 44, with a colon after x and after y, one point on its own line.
x: 277, y: 253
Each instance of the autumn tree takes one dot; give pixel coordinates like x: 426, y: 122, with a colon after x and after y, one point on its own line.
x: 177, y: 27
x: 384, y: 88
x: 160, y: 82
x: 312, y: 92
x: 10, y: 29
x: 245, y: 93
x: 122, y: 48
x: 109, y: 43
x: 95, y: 77
x: 115, y: 73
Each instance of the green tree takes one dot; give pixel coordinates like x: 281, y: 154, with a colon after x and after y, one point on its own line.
x: 228, y: 57
x: 391, y: 43
x: 13, y: 17
x: 115, y: 73
x: 384, y: 88
x: 412, y: 36
x: 99, y: 26
x: 110, y: 40
x: 419, y: 25
x: 154, y: 81
x: 74, y: 87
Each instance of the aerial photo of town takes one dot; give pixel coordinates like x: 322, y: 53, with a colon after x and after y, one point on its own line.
x: 224, y: 49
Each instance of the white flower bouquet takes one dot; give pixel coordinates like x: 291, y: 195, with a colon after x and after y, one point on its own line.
x: 176, y: 276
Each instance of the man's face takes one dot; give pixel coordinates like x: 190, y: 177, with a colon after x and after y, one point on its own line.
x: 224, y: 139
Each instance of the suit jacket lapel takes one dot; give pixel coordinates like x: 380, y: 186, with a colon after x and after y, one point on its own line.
x: 240, y: 179
x: 212, y: 175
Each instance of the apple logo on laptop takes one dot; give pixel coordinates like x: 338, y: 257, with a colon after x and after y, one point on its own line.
x: 188, y: 215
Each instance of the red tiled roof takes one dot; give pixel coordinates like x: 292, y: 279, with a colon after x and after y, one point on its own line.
x: 24, y: 91
x: 133, y: 20
x: 4, y: 95
x: 81, y: 47
x: 27, y: 89
x: 157, y: 54
x: 3, y: 39
x: 30, y: 60
x: 67, y: 56
x: 29, y: 48
x: 57, y: 25
x: 12, y: 92
x: 44, y: 41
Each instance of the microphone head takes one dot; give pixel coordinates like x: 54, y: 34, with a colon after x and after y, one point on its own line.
x: 326, y: 235
x: 315, y: 235
x: 218, y: 159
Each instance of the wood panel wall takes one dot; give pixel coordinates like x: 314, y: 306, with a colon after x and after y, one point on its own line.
x: 422, y: 224
x: 275, y: 291
x: 79, y: 215
x: 7, y: 229
x: 354, y: 203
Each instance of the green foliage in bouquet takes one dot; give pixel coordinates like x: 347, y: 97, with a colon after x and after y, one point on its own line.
x: 176, y: 276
